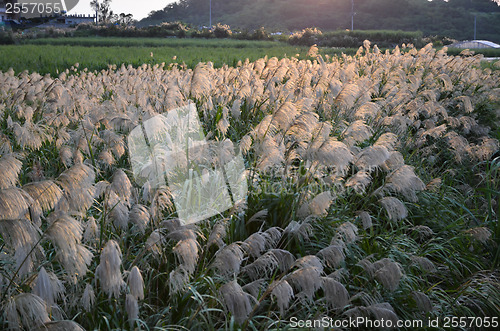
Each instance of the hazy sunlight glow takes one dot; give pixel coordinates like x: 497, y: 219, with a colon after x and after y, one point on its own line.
x: 139, y: 9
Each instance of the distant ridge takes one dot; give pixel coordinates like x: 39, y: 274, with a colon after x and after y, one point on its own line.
x: 454, y: 18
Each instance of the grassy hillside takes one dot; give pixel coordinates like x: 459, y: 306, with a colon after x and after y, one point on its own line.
x: 453, y: 18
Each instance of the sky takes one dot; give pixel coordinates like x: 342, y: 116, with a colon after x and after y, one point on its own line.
x: 139, y: 9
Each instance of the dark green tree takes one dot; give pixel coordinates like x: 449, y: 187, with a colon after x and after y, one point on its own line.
x: 103, y: 11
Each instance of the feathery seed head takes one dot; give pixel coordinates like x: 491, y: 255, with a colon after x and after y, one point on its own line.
x: 136, y: 283
x: 108, y: 271
x: 283, y: 293
x: 236, y: 300
x: 335, y: 293
x: 88, y: 298
x: 395, y: 209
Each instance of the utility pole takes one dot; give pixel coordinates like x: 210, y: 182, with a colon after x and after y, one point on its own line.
x: 352, y: 15
x: 210, y: 15
x: 475, y: 20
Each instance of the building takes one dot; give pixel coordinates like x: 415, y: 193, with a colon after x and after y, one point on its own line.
x: 77, y: 19
x: 4, y: 16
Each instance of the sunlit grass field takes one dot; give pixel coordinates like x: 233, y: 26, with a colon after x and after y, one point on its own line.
x: 57, y: 54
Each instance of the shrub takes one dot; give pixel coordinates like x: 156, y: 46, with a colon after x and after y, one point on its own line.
x: 222, y: 31
x: 6, y: 37
x: 260, y: 34
x: 306, y: 37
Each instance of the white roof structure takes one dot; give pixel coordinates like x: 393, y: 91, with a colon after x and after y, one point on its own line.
x: 475, y: 44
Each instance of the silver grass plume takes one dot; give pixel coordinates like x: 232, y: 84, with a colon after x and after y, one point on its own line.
x: 172, y: 225
x: 340, y: 274
x: 255, y: 288
x: 422, y: 232
x: 283, y: 293
x: 66, y: 155
x: 256, y: 243
x: 114, y: 141
x: 368, y: 111
x: 17, y: 204
x: 319, y: 204
x: 77, y: 183
x: 136, y: 283
x: 405, y: 182
x: 46, y: 193
x: 309, y: 261
x: 480, y: 233
x: 359, y: 182
x: 335, y: 153
x: 121, y: 185
x: 26, y: 310
x: 178, y: 279
x: 5, y: 144
x: 372, y: 157
x: 285, y: 116
x: 383, y: 311
x: 434, y: 185
x: 301, y: 231
x: 346, y: 232
x: 91, y: 230
x: 264, y: 266
x: 108, y: 271
x: 20, y: 236
x: 118, y: 210
x: 132, y: 308
x: 162, y: 200
x: 200, y: 82
x: 245, y: 143
x: 349, y: 93
x: 271, y: 153
x: 423, y: 301
x: 139, y: 216
x: 259, y: 216
x: 303, y: 126
x: 335, y: 293
x: 273, y: 235
x: 88, y: 298
x: 106, y: 158
x: 358, y: 131
x: 228, y: 260
x: 236, y: 300
x: 66, y: 234
x: 424, y: 263
x: 10, y: 167
x: 387, y: 272
x: 484, y: 150
x: 285, y: 258
x: 182, y: 233
x: 187, y: 252
x: 332, y: 256
x: 48, y: 287
x: 155, y: 241
x: 389, y: 140
x: 459, y: 145
x: 64, y: 325
x: 395, y: 161
x: 395, y: 209
x: 306, y: 281
x: 378, y: 311
x: 366, y: 219
x: 217, y: 235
